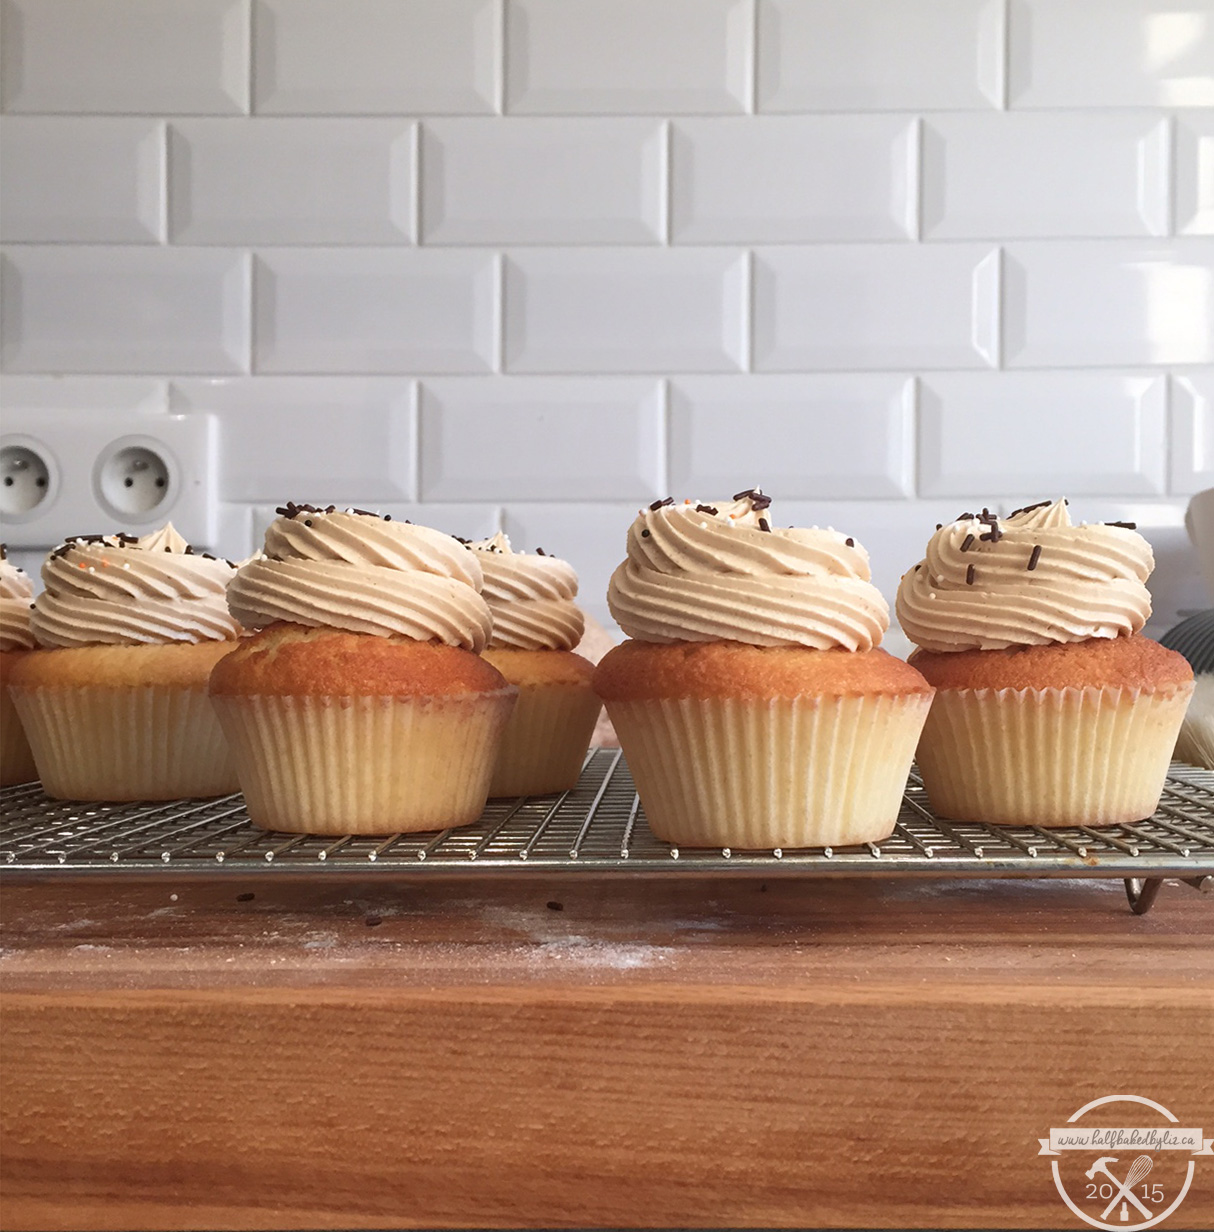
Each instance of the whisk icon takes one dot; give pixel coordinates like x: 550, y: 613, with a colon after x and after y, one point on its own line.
x: 1138, y: 1169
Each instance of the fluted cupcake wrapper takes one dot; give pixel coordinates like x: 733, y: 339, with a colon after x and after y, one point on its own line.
x: 154, y: 742
x: 765, y: 773
x: 16, y: 756
x: 545, y: 741
x: 364, y: 765
x: 1049, y: 757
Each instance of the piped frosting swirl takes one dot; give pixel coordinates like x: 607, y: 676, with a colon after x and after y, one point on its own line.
x: 352, y: 570
x: 123, y: 590
x: 530, y: 596
x: 989, y: 583
x: 722, y: 572
x: 16, y: 594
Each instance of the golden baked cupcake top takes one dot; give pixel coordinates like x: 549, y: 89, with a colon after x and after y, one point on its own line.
x: 363, y: 573
x: 530, y: 597
x: 1033, y: 578
x: 700, y: 572
x: 128, y: 590
x: 16, y: 595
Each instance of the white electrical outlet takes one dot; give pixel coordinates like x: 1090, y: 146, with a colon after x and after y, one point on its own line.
x: 81, y: 473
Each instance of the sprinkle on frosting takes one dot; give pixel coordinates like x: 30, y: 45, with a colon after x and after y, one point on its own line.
x: 1041, y: 580
x: 125, y: 590
x: 16, y: 591
x: 699, y: 576
x: 355, y: 570
x: 530, y: 596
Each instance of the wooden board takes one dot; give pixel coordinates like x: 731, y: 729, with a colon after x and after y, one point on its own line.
x: 841, y: 1054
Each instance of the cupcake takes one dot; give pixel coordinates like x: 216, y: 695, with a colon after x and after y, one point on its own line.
x: 1051, y: 707
x: 114, y: 700
x: 362, y: 706
x: 536, y: 625
x: 16, y: 599
x: 752, y: 702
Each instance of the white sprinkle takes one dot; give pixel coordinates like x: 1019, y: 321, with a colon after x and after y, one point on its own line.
x: 91, y: 569
x: 126, y: 564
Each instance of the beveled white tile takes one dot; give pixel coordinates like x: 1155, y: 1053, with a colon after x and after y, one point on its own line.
x: 1037, y: 433
x: 467, y: 521
x: 773, y: 178
x: 1193, y: 431
x: 83, y: 393
x: 348, y: 439
x: 994, y: 176
x: 376, y: 57
x: 81, y: 179
x: 126, y: 56
x: 73, y: 308
x: 549, y: 437
x: 1108, y: 303
x: 1111, y: 53
x: 292, y: 181
x: 626, y: 310
x: 543, y: 181
x: 871, y: 55
x: 1194, y: 209
x: 813, y: 437
x: 873, y: 306
x: 618, y: 56
x: 375, y: 311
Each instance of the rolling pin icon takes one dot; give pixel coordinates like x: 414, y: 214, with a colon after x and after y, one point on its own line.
x: 1123, y: 1187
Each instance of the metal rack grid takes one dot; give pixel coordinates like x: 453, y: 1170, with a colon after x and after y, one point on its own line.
x: 597, y: 827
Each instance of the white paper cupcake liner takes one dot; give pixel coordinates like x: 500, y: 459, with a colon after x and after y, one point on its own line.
x: 545, y: 741
x: 1049, y: 757
x: 16, y: 756
x: 765, y: 773
x: 155, y: 742
x: 364, y: 765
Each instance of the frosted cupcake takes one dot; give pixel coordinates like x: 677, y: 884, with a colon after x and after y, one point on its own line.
x: 1051, y: 708
x: 752, y: 702
x: 362, y: 706
x: 114, y: 700
x: 16, y: 638
x: 536, y: 625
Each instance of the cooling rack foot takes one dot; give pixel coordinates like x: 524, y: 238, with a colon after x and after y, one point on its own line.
x: 1142, y: 893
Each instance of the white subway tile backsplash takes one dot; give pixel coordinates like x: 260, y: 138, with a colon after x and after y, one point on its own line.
x: 550, y: 438
x: 1033, y: 434
x: 810, y: 437
x: 1193, y: 432
x: 376, y: 57
x: 126, y: 56
x: 375, y: 311
x: 860, y: 306
x: 1111, y: 53
x: 871, y: 55
x: 98, y: 394
x: 1026, y: 175
x: 767, y: 179
x: 336, y: 439
x: 292, y: 181
x: 81, y: 180
x: 618, y: 56
x: 1194, y: 212
x: 1109, y: 303
x: 625, y: 310
x: 546, y: 181
x: 130, y: 310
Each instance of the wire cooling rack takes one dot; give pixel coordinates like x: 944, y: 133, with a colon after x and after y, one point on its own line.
x: 598, y: 827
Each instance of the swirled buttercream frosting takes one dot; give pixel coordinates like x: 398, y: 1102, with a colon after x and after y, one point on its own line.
x: 16, y: 595
x: 989, y: 583
x: 530, y: 596
x: 723, y: 572
x: 352, y: 570
x: 119, y: 589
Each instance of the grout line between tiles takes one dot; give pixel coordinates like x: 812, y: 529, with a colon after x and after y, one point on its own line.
x: 667, y: 183
x: 502, y: 64
x: 752, y: 99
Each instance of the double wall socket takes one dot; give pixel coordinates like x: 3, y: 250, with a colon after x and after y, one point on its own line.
x: 72, y: 473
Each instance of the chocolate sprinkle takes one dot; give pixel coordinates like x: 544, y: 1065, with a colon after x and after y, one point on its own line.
x: 967, y: 543
x: 969, y: 576
x: 851, y: 543
x: 764, y: 524
x: 987, y: 518
x: 661, y: 504
x: 707, y: 509
x: 644, y: 534
x: 540, y: 552
x: 1035, y: 557
x: 1124, y: 525
x: 1029, y: 508
x: 755, y: 496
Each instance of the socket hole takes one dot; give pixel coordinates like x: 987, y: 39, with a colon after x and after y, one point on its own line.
x: 26, y: 480
x: 134, y: 481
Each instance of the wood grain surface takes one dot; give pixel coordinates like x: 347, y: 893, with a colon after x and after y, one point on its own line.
x: 343, y: 1055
